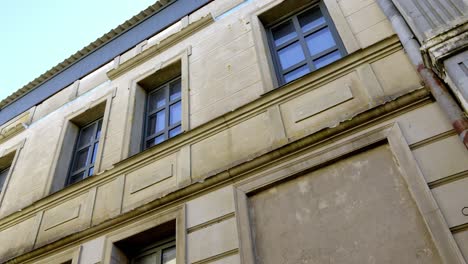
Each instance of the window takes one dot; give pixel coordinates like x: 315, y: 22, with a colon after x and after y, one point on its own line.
x: 304, y: 42
x: 156, y: 245
x: 160, y: 253
x: 3, y: 176
x: 163, y: 113
x: 85, y: 152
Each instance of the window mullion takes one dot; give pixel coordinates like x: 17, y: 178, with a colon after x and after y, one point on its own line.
x: 303, y: 43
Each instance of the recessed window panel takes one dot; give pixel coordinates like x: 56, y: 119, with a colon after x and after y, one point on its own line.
x: 303, y: 42
x: 175, y: 131
x: 169, y: 255
x: 327, y: 59
x: 85, y: 136
x: 156, y: 100
x: 166, y: 122
x: 284, y: 33
x: 297, y: 73
x: 291, y: 55
x: 76, y: 178
x: 156, y: 122
x: 320, y: 41
x: 98, y: 132
x: 81, y: 158
x: 155, y: 141
x: 174, y: 91
x: 95, y: 149
x: 85, y: 153
x: 175, y: 112
x: 311, y: 19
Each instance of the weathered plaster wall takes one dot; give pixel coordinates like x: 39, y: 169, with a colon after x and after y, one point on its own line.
x: 233, y: 116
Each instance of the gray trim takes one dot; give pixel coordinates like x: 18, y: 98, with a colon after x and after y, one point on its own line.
x: 101, y: 55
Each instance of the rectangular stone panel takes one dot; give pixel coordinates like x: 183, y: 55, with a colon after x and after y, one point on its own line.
x: 213, y: 240
x: 210, y: 206
x: 66, y: 218
x: 108, y: 200
x: 149, y: 182
x: 356, y: 210
x: 442, y: 158
x: 462, y: 241
x: 230, y: 145
x: 324, y: 106
x: 453, y: 201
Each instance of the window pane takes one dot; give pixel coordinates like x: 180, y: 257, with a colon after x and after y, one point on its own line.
x: 291, y: 55
x: 325, y: 60
x: 76, y: 178
x: 311, y: 19
x: 296, y: 73
x: 91, y: 171
x: 156, y: 123
x: 155, y: 141
x: 147, y: 259
x: 3, y: 175
x: 156, y: 100
x: 175, y: 131
x: 283, y: 33
x: 174, y: 91
x: 320, y: 41
x: 175, y: 113
x: 80, y: 159
x: 169, y: 256
x: 93, y: 157
x: 98, y: 132
x: 86, y: 135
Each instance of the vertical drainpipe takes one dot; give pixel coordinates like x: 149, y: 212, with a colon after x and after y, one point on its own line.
x: 437, y: 87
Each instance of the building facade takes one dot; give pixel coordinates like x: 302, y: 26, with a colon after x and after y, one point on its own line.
x: 231, y: 131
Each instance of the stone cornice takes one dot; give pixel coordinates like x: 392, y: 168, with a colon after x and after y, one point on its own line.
x: 150, y: 52
x: 444, y: 45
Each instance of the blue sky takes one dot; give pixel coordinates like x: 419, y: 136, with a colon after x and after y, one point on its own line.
x: 38, y: 34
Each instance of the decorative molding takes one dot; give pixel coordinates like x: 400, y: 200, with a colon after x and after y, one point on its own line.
x: 15, y: 126
x: 161, y: 174
x: 390, y: 134
x: 62, y: 219
x: 309, y: 82
x: 325, y: 102
x: 176, y: 197
x: 211, y: 222
x: 436, y: 49
x: 218, y: 257
x: 159, y: 47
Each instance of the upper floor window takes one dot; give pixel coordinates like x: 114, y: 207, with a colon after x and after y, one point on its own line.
x: 85, y: 152
x: 304, y: 42
x: 163, y: 113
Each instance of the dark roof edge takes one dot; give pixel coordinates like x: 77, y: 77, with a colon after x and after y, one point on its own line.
x: 104, y: 49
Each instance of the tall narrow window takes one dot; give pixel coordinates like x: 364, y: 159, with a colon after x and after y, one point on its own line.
x: 163, y: 113
x: 3, y: 176
x: 304, y: 42
x: 85, y: 152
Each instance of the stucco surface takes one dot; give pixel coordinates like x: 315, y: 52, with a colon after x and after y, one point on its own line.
x: 358, y: 210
